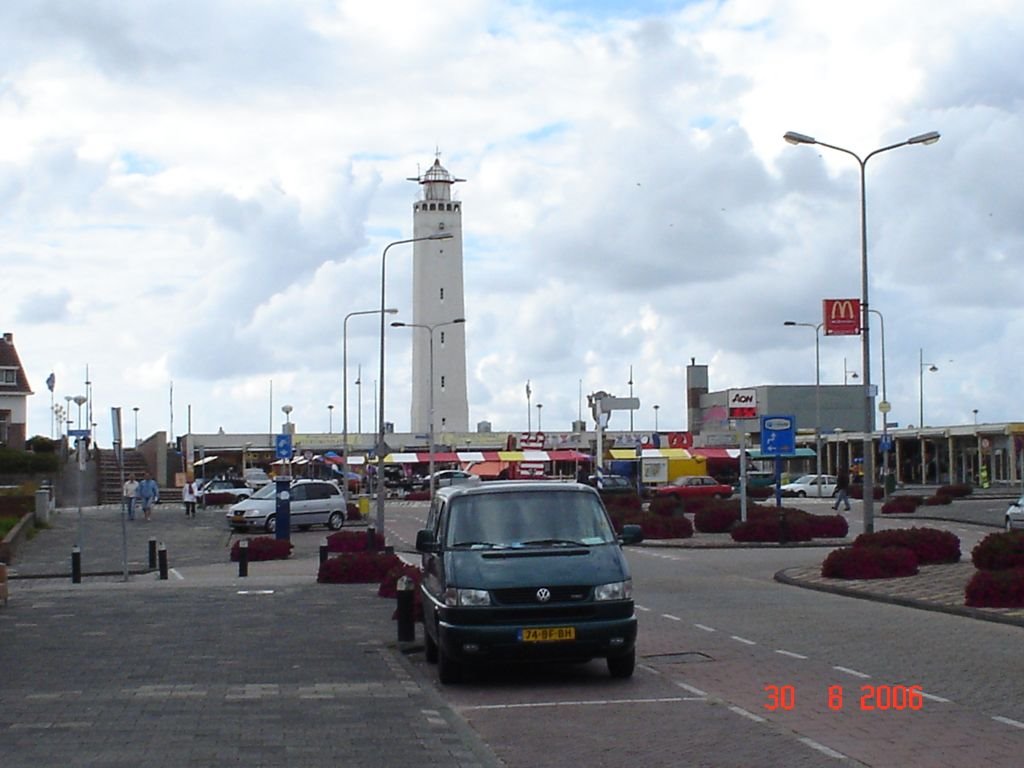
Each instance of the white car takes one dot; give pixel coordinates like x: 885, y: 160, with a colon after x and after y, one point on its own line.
x: 313, y: 502
x: 807, y: 486
x: 1015, y: 515
x: 446, y: 477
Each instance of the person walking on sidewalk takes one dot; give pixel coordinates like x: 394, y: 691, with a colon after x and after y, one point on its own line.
x: 842, y: 489
x: 189, y: 493
x: 148, y: 494
x: 130, y: 486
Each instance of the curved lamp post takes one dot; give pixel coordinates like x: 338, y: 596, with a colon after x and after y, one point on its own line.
x: 381, y: 445
x: 430, y: 329
x: 817, y: 391
x: 932, y: 368
x: 869, y: 444
x: 344, y: 394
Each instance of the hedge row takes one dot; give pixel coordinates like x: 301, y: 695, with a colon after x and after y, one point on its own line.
x: 353, y: 541
x: 264, y: 548
x: 356, y: 568
x: 930, y: 545
x: 869, y: 563
x: 996, y: 589
x: 999, y: 551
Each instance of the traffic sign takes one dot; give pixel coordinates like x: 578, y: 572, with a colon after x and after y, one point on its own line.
x: 778, y: 435
x: 78, y: 433
x: 283, y: 446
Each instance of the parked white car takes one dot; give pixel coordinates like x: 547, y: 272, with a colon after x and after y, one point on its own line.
x: 807, y: 486
x: 313, y: 502
x: 1015, y: 515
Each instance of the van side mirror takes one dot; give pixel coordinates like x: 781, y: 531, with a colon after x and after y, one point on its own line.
x: 631, y: 534
x: 425, y: 541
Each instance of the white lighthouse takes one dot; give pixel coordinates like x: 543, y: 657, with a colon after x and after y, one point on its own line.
x: 437, y: 300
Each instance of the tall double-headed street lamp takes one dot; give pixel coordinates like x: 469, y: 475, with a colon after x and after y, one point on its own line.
x: 430, y: 330
x: 817, y: 392
x: 382, y: 448
x: 869, y: 417
x: 344, y: 394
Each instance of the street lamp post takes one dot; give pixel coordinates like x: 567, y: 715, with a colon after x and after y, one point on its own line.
x: 869, y: 443
x: 381, y: 445
x: 630, y: 382
x: 932, y: 368
x: 136, y: 410
x: 817, y: 392
x: 80, y: 400
x: 344, y: 395
x: 848, y: 373
x: 539, y: 406
x: 330, y: 419
x: 884, y: 407
x: 430, y: 330
x: 656, y: 407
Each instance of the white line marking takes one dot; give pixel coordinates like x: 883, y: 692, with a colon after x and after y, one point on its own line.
x: 578, y: 703
x: 705, y: 627
x: 743, y: 640
x: 691, y: 689
x: 177, y: 575
x: 933, y: 697
x: 749, y: 715
x: 1008, y: 721
x: 791, y: 654
x: 670, y: 617
x: 853, y: 672
x: 823, y: 749
x: 643, y: 608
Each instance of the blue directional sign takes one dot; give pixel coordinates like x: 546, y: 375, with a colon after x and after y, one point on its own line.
x: 778, y: 435
x: 885, y: 443
x: 283, y: 446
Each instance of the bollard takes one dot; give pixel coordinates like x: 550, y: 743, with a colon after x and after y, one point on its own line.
x: 243, y: 557
x: 782, y: 527
x: 152, y: 553
x: 76, y: 564
x: 323, y: 551
x: 162, y: 558
x: 406, y: 625
x: 371, y: 539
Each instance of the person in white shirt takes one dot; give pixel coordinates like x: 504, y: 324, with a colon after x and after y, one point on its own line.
x: 189, y: 493
x: 130, y: 486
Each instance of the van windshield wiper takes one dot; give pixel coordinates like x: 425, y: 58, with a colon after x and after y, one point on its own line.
x: 488, y: 544
x: 567, y: 542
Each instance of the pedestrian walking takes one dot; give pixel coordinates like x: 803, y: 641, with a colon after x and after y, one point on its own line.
x: 189, y: 493
x: 842, y: 490
x: 128, y: 493
x: 148, y: 494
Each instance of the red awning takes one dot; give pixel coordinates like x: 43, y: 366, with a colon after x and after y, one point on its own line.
x: 490, y: 469
x: 716, y: 453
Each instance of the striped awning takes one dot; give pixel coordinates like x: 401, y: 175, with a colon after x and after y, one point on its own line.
x: 651, y: 453
x: 466, y: 457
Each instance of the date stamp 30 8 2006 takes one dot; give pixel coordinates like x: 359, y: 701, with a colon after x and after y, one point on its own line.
x: 882, y: 698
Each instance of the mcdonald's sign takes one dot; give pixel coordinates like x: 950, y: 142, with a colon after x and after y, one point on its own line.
x: 841, y: 317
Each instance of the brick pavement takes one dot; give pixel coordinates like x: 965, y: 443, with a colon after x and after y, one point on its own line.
x: 207, y: 668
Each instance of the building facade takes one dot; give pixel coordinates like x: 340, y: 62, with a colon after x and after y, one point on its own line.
x: 14, y: 392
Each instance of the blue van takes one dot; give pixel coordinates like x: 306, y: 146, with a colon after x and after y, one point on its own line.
x: 521, y: 571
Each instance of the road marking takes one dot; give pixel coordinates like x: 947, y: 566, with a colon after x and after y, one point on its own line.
x: 255, y: 592
x: 749, y: 715
x: 853, y: 672
x: 743, y: 640
x: 670, y: 617
x: 691, y: 689
x: 705, y: 627
x: 1008, y: 721
x: 933, y: 697
x: 643, y: 608
x: 177, y: 575
x: 823, y: 749
x: 791, y: 654
x: 580, y: 703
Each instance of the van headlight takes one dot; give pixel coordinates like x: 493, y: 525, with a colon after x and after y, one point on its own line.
x: 617, y: 590
x: 453, y: 596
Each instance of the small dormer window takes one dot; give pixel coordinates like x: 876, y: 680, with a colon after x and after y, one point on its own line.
x: 8, y: 376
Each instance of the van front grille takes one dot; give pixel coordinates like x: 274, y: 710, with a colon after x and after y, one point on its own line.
x: 530, y: 596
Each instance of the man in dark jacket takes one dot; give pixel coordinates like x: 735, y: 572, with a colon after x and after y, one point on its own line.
x: 842, y: 490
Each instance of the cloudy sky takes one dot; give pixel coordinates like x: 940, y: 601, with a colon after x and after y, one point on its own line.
x: 198, y: 191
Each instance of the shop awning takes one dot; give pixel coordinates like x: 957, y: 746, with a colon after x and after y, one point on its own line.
x: 716, y: 453
x: 627, y: 454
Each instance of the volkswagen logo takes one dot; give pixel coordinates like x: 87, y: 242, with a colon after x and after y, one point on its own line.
x: 543, y: 595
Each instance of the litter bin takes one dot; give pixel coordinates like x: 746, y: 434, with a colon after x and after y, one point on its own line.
x: 364, y: 506
x: 43, y: 506
x: 890, y: 484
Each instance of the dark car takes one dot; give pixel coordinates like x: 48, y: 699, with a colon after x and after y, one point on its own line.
x: 612, y: 484
x: 520, y: 570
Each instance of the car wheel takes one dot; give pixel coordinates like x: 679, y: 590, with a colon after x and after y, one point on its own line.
x: 802, y: 494
x: 429, y: 648
x: 271, y: 525
x: 449, y: 671
x: 622, y: 666
x: 335, y: 521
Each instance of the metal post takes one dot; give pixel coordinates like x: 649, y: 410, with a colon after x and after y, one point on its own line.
x: 323, y: 551
x: 371, y: 539
x: 243, y: 558
x: 152, y: 553
x: 76, y: 564
x: 162, y: 558
x: 406, y: 623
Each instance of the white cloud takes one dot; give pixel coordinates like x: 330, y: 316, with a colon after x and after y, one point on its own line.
x: 202, y: 192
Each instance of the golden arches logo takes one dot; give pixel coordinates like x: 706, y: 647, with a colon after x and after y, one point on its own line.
x: 842, y: 310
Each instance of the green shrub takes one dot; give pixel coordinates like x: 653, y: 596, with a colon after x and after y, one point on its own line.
x: 996, y: 589
x: 25, y: 462
x: 999, y: 551
x: 869, y: 563
x: 930, y: 545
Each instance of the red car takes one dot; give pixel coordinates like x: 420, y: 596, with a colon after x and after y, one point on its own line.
x: 696, y: 487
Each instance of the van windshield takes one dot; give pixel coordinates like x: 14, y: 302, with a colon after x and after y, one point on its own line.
x: 527, y: 518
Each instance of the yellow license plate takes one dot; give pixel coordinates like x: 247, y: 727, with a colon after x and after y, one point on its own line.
x: 547, y: 634
x: 238, y: 518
